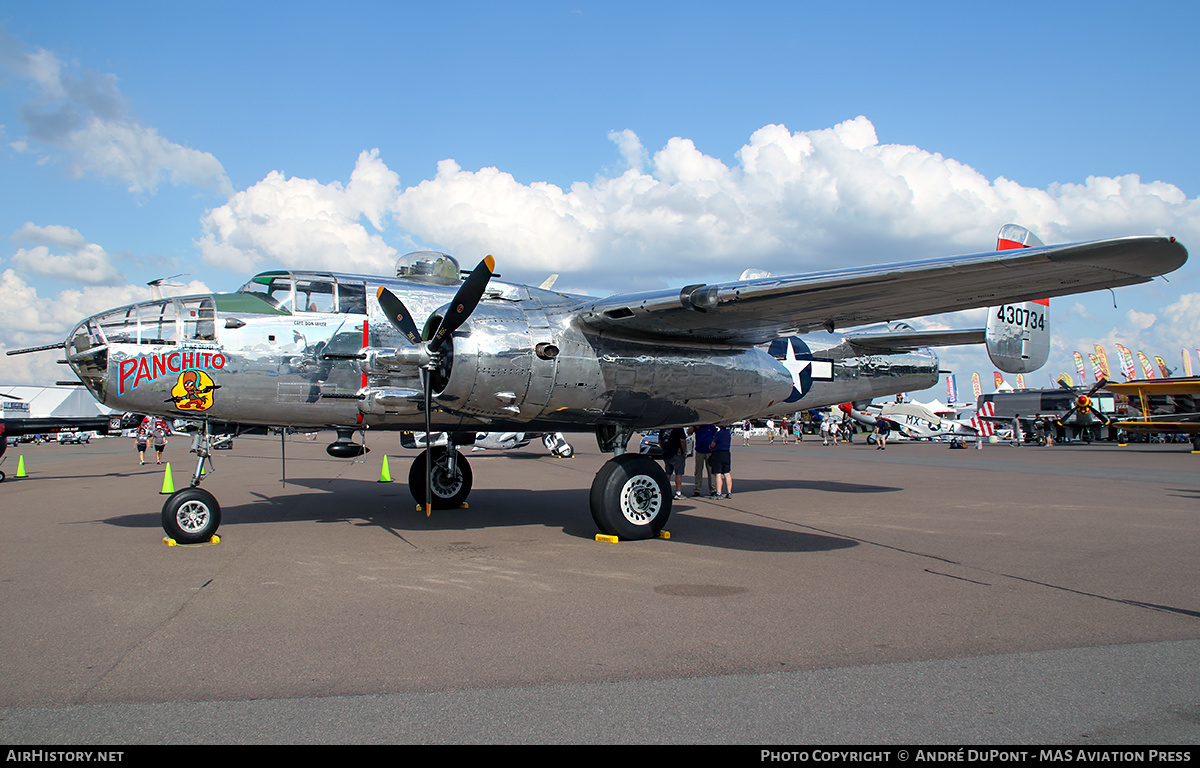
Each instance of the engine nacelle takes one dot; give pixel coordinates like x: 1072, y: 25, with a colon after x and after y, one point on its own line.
x: 487, y: 364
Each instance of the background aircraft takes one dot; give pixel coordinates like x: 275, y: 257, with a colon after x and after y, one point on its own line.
x: 1167, y: 406
x: 325, y: 350
x: 913, y: 420
x: 554, y: 442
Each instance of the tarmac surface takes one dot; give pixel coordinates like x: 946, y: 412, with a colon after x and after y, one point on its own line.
x: 844, y: 595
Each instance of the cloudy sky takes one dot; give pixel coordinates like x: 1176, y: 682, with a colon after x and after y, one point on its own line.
x: 626, y: 146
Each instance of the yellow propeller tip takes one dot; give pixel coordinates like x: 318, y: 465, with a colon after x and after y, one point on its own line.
x: 491, y: 263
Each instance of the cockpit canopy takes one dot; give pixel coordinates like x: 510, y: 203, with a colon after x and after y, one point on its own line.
x: 288, y: 292
x: 428, y: 267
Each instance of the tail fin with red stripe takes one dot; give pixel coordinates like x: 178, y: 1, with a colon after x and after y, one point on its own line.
x: 1018, y: 335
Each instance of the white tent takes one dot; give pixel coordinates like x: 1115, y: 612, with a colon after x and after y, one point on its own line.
x: 50, y: 402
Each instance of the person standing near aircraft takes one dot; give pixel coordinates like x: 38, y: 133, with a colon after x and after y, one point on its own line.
x: 770, y: 430
x: 161, y: 430
x: 674, y: 453
x: 704, y: 437
x: 1016, y: 430
x: 882, y: 429
x: 747, y: 427
x: 721, y: 464
x: 143, y: 434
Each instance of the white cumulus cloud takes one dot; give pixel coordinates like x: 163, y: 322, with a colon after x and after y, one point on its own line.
x: 302, y: 223
x: 63, y: 253
x: 82, y: 119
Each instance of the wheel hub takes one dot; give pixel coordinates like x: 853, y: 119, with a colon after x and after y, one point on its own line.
x: 641, y: 500
x: 192, y: 516
x: 446, y: 483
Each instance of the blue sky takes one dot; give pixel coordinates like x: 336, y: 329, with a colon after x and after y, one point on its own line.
x: 623, y: 145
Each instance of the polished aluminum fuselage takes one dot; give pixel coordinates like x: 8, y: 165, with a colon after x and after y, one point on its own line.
x: 523, y: 361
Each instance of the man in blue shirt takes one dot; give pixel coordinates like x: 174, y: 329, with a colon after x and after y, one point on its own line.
x: 720, y: 464
x: 704, y: 438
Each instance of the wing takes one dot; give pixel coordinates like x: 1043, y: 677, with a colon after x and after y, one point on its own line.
x: 757, y: 311
x: 1176, y: 386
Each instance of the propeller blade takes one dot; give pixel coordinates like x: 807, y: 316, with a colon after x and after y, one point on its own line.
x: 465, y: 301
x: 397, y: 314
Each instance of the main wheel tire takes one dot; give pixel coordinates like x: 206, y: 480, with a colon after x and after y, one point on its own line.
x: 449, y: 490
x: 191, y: 516
x: 631, y: 497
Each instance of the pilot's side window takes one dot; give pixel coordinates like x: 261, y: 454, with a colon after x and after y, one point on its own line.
x: 280, y: 293
x: 315, y: 296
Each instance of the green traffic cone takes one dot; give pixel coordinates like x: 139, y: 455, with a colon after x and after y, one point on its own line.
x: 21, y: 467
x: 168, y: 485
x: 385, y: 476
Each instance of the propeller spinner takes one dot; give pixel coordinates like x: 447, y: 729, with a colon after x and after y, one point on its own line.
x: 466, y: 299
x: 1083, y: 404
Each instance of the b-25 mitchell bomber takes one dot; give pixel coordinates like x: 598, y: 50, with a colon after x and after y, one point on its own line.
x: 319, y: 350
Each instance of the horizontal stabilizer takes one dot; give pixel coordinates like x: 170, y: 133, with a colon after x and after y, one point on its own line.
x: 906, y: 341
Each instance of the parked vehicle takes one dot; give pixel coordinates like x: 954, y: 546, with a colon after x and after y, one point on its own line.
x: 650, y: 447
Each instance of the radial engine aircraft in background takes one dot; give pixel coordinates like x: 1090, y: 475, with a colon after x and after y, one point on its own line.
x: 323, y: 350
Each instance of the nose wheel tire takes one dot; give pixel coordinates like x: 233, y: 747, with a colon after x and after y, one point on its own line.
x: 450, y: 486
x: 191, y: 516
x: 631, y: 497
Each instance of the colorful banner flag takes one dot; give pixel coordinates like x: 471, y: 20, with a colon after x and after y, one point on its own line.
x: 1102, y: 358
x: 1187, y: 363
x: 1127, y: 369
x: 1145, y: 363
x: 976, y: 387
x: 951, y: 389
x: 1162, y: 367
x: 1079, y: 366
x: 1096, y: 369
x: 999, y: 379
x: 1020, y: 381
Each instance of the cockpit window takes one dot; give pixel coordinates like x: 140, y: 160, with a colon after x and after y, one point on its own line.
x: 352, y: 298
x: 315, y: 295
x: 275, y: 288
